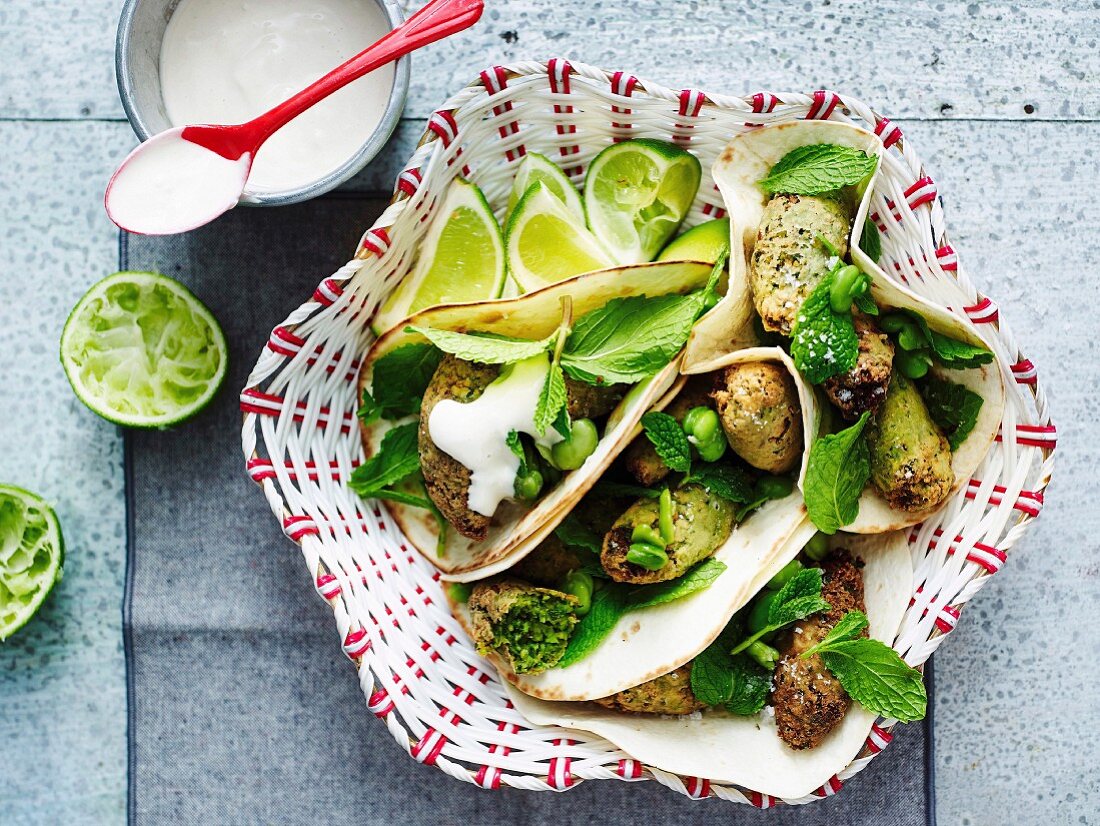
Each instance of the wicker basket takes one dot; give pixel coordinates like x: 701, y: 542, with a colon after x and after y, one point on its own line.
x: 417, y: 668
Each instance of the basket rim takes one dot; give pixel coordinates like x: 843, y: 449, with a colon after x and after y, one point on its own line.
x: 441, y: 128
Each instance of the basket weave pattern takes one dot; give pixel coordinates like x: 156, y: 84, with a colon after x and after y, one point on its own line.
x: 418, y: 670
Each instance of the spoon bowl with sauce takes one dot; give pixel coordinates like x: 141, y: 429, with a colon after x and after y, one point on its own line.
x: 187, y: 176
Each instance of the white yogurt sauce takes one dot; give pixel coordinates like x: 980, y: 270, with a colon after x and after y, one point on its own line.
x: 227, y: 61
x: 172, y: 185
x: 475, y: 433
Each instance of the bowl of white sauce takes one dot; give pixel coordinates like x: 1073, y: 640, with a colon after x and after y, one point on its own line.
x: 182, y: 62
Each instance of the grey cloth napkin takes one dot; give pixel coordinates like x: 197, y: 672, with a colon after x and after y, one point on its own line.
x: 243, y: 708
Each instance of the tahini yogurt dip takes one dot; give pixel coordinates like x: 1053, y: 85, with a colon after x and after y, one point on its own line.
x: 226, y: 61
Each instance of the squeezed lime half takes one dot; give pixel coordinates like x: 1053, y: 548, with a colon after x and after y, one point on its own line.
x: 547, y: 242
x: 636, y: 193
x: 142, y: 351
x: 32, y: 552
x: 461, y: 259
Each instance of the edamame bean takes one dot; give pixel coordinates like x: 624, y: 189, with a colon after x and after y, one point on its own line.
x: 786, y: 573
x: 647, y: 556
x: 763, y: 654
x: 758, y: 616
x: 646, y: 534
x: 773, y: 487
x: 818, y: 547
x: 580, y: 585
x: 703, y: 428
x: 913, y: 365
x: 664, y: 518
x: 843, y: 289
x: 529, y: 486
x: 571, y: 453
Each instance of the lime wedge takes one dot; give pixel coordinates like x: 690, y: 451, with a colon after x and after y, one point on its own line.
x: 461, y: 259
x: 539, y: 169
x: 703, y: 242
x: 547, y: 243
x: 31, y: 555
x: 140, y: 350
x: 636, y: 193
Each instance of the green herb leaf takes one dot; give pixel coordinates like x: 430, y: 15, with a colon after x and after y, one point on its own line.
x: 552, y: 398
x: 950, y: 352
x: 397, y: 457
x: 400, y: 378
x: 823, y: 342
x: 877, y: 678
x: 700, y: 577
x: 751, y: 686
x: 712, y: 670
x: 953, y: 407
x: 607, y: 608
x: 369, y: 412
x: 837, y: 471
x: 629, y: 339
x: 403, y: 498
x: 483, y: 348
x: 870, y: 241
x: 574, y: 533
x: 851, y: 625
x: 865, y: 304
x: 727, y: 481
x: 818, y: 168
x: 516, y: 446
x: 798, y: 598
x: 669, y: 440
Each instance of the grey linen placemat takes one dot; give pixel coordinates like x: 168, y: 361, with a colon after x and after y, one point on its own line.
x: 243, y: 708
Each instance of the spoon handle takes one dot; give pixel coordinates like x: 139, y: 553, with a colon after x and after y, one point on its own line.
x: 438, y: 19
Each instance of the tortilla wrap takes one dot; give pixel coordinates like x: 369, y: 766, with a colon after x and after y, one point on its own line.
x: 516, y: 530
x: 747, y: 751
x: 729, y: 327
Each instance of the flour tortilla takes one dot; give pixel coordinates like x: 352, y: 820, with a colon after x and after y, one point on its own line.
x: 747, y: 751
x: 516, y: 530
x: 729, y: 326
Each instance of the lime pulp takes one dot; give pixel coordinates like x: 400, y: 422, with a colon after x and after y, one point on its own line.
x: 703, y: 242
x: 535, y: 169
x: 31, y: 556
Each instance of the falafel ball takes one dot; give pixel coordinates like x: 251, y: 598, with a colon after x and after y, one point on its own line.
x: 668, y: 694
x: 528, y: 626
x: 863, y: 388
x: 757, y: 403
x: 640, y: 458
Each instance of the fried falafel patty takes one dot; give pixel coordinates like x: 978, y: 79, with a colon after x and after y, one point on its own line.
x: 527, y: 626
x: 668, y: 694
x: 808, y: 700
x: 757, y: 403
x: 591, y: 401
x: 863, y: 388
x: 910, y: 458
x: 701, y: 522
x: 446, y: 479
x: 788, y: 262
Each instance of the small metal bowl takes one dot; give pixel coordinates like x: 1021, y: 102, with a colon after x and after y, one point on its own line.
x: 137, y: 66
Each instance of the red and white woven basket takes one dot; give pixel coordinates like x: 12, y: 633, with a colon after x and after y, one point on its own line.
x: 417, y: 668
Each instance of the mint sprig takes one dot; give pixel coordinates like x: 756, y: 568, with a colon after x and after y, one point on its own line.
x: 720, y: 679
x: 399, y: 381
x: 700, y: 577
x: 823, y: 342
x: 836, y: 474
x: 818, y: 168
x: 668, y: 439
x: 953, y: 407
x: 797, y: 599
x: 397, y: 458
x: 551, y: 406
x: 950, y: 352
x: 873, y: 673
x: 870, y: 241
x: 483, y: 348
x: 728, y: 482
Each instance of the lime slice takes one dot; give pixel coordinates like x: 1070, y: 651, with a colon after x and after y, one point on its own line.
x: 636, y: 193
x: 140, y: 350
x: 539, y: 169
x: 461, y: 259
x: 31, y: 554
x: 547, y: 243
x: 703, y: 242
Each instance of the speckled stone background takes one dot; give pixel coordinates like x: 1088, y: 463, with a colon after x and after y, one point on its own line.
x: 1001, y: 99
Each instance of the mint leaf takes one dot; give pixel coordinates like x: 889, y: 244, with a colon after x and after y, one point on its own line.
x: 870, y: 241
x: 953, y: 407
x: 950, y: 352
x: 669, y: 440
x: 823, y: 342
x: 818, y: 168
x: 877, y: 678
x: 574, y: 533
x: 712, y: 670
x: 397, y: 457
x: 798, y: 598
x: 369, y: 412
x: 865, y: 304
x: 628, y: 339
x: 751, y: 686
x: 400, y: 378
x: 516, y: 446
x: 696, y: 579
x: 727, y: 481
x: 608, y: 606
x: 552, y: 398
x: 837, y: 471
x: 851, y: 625
x: 482, y: 347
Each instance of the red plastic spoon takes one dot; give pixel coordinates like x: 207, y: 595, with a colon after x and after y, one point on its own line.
x: 188, y: 176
